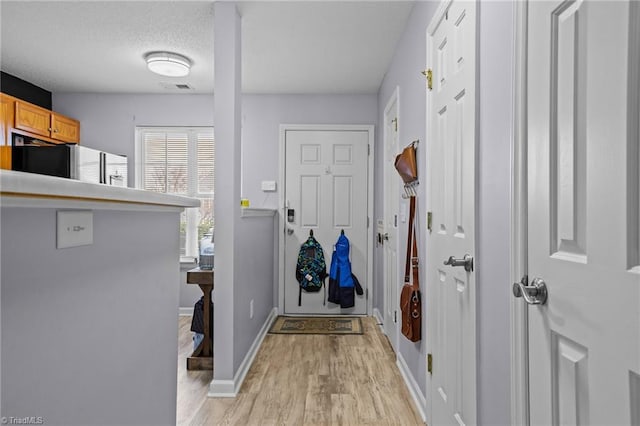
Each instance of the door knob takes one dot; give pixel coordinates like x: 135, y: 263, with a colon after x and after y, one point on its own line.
x: 534, y: 294
x: 385, y: 236
x: 466, y: 261
x: 289, y: 231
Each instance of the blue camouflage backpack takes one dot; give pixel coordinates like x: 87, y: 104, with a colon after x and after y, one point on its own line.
x: 311, y: 269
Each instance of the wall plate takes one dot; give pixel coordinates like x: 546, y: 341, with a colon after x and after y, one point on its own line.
x: 268, y: 185
x: 75, y: 228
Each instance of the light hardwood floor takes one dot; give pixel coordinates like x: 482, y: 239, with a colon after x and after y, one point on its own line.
x: 304, y: 380
x: 192, y: 385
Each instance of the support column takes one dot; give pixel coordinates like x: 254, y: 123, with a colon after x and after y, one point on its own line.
x: 227, y: 127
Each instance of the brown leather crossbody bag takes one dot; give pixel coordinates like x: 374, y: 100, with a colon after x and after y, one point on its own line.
x: 411, y: 298
x: 406, y: 164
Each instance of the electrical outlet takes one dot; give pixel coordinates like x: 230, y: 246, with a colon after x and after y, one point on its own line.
x: 75, y: 228
x: 251, y: 309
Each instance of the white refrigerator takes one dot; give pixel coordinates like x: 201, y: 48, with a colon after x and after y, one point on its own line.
x: 92, y: 165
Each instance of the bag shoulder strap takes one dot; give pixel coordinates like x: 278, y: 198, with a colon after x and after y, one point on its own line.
x: 411, y: 264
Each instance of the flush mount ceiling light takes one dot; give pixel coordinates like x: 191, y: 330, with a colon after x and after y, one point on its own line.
x: 168, y: 64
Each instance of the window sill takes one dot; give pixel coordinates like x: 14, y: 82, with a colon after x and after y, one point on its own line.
x: 188, y: 261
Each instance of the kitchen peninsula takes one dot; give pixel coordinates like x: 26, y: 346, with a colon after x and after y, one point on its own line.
x: 88, y: 333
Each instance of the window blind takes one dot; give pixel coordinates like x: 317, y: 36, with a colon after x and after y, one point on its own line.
x: 181, y: 161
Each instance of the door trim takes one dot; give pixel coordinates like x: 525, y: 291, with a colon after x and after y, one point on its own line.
x: 281, y: 200
x: 393, y: 98
x: 519, y: 215
x: 430, y: 317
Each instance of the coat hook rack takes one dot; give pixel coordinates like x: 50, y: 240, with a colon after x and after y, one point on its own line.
x: 410, y: 190
x: 413, y: 143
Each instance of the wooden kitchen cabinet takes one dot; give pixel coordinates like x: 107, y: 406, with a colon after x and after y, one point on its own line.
x: 6, y: 122
x: 21, y: 117
x: 64, y: 128
x: 33, y: 119
x: 42, y: 122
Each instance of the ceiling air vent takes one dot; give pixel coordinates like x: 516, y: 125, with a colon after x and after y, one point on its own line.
x: 176, y: 86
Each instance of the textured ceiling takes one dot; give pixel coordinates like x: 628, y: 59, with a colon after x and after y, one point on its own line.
x: 330, y: 47
x: 288, y: 47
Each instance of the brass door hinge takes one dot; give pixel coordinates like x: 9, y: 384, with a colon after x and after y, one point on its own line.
x: 429, y: 221
x: 429, y: 363
x: 429, y: 74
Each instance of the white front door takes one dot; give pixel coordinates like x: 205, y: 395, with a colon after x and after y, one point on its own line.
x: 326, y: 190
x: 451, y: 295
x: 390, y: 236
x: 583, y: 220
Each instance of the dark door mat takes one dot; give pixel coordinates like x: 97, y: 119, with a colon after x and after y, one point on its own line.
x: 317, y: 325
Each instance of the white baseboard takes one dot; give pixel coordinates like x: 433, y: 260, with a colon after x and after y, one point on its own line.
x: 378, y: 316
x: 222, y: 389
x: 412, y: 385
x: 185, y: 312
x: 230, y: 388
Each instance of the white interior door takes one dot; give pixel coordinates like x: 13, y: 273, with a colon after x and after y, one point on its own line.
x: 326, y: 186
x: 451, y: 294
x: 584, y: 342
x: 390, y: 232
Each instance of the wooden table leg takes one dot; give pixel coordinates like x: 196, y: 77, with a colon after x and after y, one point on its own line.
x: 207, y: 349
x: 202, y: 356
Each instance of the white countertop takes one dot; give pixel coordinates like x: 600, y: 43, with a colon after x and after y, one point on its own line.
x: 30, y: 189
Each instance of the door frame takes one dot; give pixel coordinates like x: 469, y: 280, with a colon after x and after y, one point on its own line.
x: 519, y: 218
x: 393, y: 98
x: 368, y: 284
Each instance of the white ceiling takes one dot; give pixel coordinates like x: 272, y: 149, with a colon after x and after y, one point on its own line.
x: 287, y: 47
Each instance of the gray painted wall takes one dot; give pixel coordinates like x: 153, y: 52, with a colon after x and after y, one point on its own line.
x: 404, y: 72
x: 496, y: 91
x: 262, y: 116
x: 90, y: 334
x: 254, y: 281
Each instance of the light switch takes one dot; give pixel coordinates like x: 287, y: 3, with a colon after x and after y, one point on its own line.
x: 75, y: 228
x: 268, y: 185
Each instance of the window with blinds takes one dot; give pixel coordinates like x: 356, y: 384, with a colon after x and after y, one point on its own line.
x: 180, y: 161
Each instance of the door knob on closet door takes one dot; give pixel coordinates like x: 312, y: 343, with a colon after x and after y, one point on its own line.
x: 466, y: 261
x: 534, y: 294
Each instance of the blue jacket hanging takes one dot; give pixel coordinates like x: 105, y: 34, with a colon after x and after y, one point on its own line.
x: 342, y: 282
